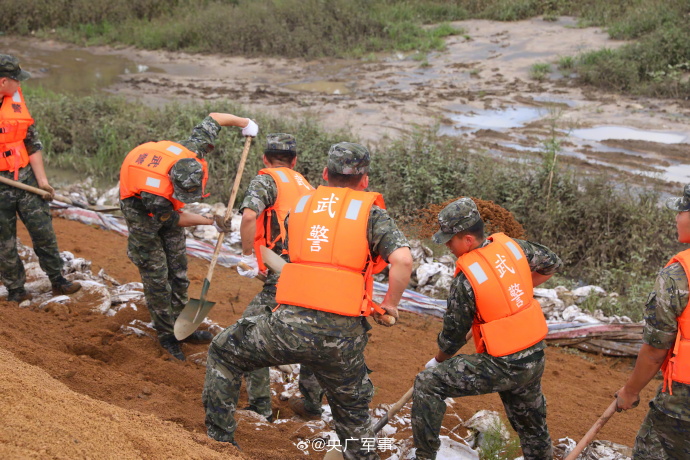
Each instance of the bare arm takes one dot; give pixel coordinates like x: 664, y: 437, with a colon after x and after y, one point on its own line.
x: 398, y: 278
x: 227, y: 119
x: 188, y: 219
x: 248, y: 230
x: 649, y: 361
x: 36, y: 162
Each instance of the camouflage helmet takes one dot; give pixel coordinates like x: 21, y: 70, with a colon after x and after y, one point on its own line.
x: 9, y: 67
x: 681, y: 203
x: 348, y: 158
x: 281, y: 142
x: 187, y: 176
x: 456, y: 217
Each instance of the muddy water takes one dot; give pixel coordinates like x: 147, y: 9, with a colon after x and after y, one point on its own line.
x: 69, y: 69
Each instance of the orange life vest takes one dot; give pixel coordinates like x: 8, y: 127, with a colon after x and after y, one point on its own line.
x: 331, y: 268
x: 509, y: 319
x: 146, y: 169
x: 15, y: 120
x: 291, y: 186
x: 676, y: 367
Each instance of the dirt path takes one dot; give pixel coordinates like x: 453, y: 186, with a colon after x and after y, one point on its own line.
x: 89, y: 354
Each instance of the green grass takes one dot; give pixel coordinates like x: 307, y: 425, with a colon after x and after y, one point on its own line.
x: 540, y: 71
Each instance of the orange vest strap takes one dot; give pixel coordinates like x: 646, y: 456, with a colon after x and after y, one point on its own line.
x: 676, y: 367
x: 15, y: 120
x: 331, y: 267
x: 508, y: 318
x: 291, y: 186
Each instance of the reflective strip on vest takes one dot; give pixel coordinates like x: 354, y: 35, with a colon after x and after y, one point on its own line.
x: 516, y: 252
x: 153, y: 182
x: 301, y: 204
x: 283, y: 176
x: 16, y: 97
x: 478, y: 273
x: 174, y: 149
x: 353, y: 209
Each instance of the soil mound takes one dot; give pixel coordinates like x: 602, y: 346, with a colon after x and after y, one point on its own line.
x: 495, y: 217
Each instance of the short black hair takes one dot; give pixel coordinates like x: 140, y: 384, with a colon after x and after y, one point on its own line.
x: 476, y: 230
x: 283, y: 156
x: 343, y: 180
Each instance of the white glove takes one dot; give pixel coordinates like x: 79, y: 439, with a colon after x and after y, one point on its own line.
x: 432, y: 363
x: 251, y: 130
x: 251, y: 262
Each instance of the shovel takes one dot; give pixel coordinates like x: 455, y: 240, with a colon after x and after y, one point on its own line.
x: 64, y: 199
x: 196, y: 310
x: 587, y: 438
x: 383, y: 421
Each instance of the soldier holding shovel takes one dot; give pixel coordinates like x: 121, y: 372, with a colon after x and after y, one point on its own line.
x: 156, y: 180
x: 21, y: 159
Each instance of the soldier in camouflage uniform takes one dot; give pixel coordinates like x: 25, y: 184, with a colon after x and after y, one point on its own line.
x: 156, y: 242
x: 515, y: 377
x: 331, y: 344
x: 31, y: 208
x: 262, y: 193
x: 665, y: 432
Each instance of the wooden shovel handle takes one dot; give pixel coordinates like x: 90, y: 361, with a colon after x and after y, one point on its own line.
x: 587, y: 438
x: 228, y: 211
x: 28, y: 188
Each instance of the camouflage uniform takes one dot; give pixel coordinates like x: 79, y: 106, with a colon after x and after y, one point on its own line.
x: 261, y: 194
x: 516, y: 377
x: 156, y: 244
x: 665, y: 432
x: 331, y: 345
x: 31, y: 208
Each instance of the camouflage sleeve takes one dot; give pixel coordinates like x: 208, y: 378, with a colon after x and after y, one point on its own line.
x: 160, y: 208
x: 261, y: 194
x: 460, y: 311
x: 31, y: 141
x: 666, y: 302
x: 541, y: 259
x: 202, y: 138
x: 383, y: 234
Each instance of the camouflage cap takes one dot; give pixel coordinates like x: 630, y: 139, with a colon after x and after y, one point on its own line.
x: 681, y: 203
x: 9, y: 67
x: 281, y: 142
x: 187, y: 177
x: 456, y: 217
x: 348, y: 158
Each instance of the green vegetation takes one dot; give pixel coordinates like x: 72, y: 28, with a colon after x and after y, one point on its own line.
x: 629, y: 235
x: 495, y: 446
x: 539, y: 71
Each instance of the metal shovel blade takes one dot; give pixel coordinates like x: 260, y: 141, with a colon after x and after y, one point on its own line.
x: 193, y: 314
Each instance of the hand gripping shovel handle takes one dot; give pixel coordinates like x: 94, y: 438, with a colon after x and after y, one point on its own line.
x: 587, y: 438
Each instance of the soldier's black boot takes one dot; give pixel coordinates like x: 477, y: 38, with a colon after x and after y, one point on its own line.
x: 172, y: 346
x: 18, y: 295
x: 199, y: 337
x: 62, y: 286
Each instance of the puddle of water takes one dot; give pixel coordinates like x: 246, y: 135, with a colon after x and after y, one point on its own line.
x: 678, y: 173
x: 514, y: 117
x: 68, y: 70
x: 601, y: 133
x: 321, y: 86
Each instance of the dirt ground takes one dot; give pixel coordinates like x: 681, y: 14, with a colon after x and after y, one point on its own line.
x: 74, y: 374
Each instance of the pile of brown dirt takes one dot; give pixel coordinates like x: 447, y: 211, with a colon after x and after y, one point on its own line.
x: 495, y: 217
x: 89, y: 354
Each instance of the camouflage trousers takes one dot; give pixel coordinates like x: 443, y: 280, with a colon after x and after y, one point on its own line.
x: 35, y: 213
x: 262, y: 341
x: 160, y: 253
x: 259, y: 381
x: 518, y: 383
x: 662, y: 437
